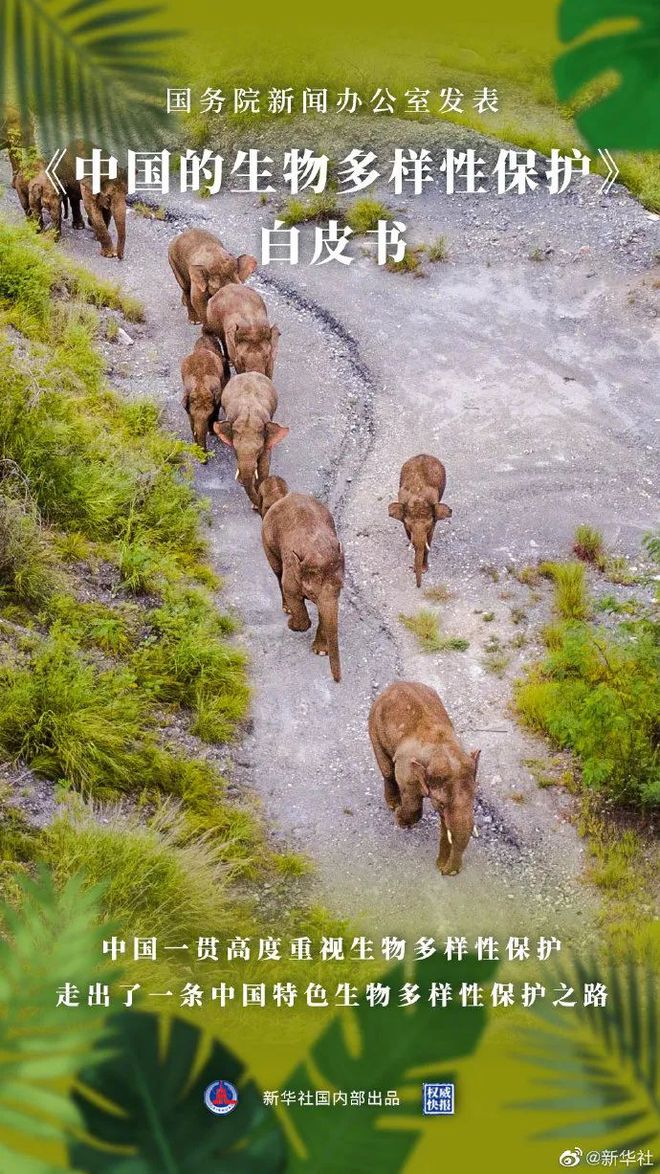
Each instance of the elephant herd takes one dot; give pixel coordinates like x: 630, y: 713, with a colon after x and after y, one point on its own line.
x: 412, y: 736
x: 39, y: 198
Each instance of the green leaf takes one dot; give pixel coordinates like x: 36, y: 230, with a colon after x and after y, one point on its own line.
x: 605, y: 1059
x: 152, y: 1107
x: 84, y: 71
x: 52, y: 938
x: 628, y: 118
x: 378, y: 1048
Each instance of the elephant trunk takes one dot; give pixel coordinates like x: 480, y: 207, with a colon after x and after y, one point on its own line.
x: 200, y: 430
x: 420, y: 551
x: 247, y: 475
x: 328, y: 606
x: 459, y: 831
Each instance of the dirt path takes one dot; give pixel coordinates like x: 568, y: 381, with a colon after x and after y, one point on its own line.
x: 533, y: 382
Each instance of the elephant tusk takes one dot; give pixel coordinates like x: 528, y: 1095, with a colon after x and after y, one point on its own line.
x: 475, y: 832
x: 449, y: 837
x: 410, y: 546
x: 255, y: 477
x: 427, y: 546
x: 236, y: 475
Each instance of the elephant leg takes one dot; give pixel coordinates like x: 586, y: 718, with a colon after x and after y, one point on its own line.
x: 294, y: 602
x: 320, y: 642
x: 96, y: 220
x: 275, y: 564
x: 386, y: 767
x: 76, y: 214
x: 105, y: 213
x: 118, y: 212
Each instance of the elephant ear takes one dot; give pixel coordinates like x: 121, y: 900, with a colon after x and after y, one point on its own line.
x: 246, y: 265
x: 275, y: 433
x: 224, y: 431
x: 395, y: 510
x: 199, y: 277
x: 442, y: 511
x: 275, y: 334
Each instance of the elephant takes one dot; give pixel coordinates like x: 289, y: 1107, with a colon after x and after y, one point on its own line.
x: 42, y: 196
x: 419, y: 756
x: 239, y: 318
x: 203, y: 375
x: 101, y: 207
x: 202, y: 266
x: 249, y: 402
x: 18, y: 139
x: 300, y: 542
x: 421, y: 486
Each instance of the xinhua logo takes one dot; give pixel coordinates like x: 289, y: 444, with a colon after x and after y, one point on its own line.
x: 438, y: 1100
x: 221, y: 1097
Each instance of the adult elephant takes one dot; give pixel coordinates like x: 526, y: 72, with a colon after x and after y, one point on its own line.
x: 101, y: 207
x: 203, y: 266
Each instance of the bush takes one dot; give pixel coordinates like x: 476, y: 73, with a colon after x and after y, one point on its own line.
x: 588, y: 545
x: 320, y: 206
x: 598, y: 695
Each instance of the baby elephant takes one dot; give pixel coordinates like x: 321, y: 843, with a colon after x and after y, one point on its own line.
x: 202, y: 265
x: 419, y: 755
x: 42, y: 197
x: 239, y: 318
x: 301, y: 545
x: 249, y: 402
x: 421, y: 486
x: 203, y: 375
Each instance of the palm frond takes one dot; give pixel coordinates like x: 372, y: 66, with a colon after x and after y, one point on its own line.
x: 87, y: 70
x: 51, y: 939
x: 597, y: 1067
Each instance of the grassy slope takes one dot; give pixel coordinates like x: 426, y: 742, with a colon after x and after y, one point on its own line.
x: 115, y: 666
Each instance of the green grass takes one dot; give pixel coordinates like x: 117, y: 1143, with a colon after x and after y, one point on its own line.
x: 597, y: 693
x: 425, y: 627
x: 588, y: 545
x: 157, y: 882
x: 411, y: 261
x: 149, y: 211
x: 363, y: 214
x: 317, y: 207
x: 438, y: 250
x: 439, y: 594
x: 571, y: 596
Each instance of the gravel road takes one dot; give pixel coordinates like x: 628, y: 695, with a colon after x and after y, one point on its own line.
x: 534, y: 381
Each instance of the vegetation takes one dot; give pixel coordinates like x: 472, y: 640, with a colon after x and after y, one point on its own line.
x: 363, y: 214
x: 596, y: 693
x: 411, y: 261
x: 112, y: 651
x: 588, y: 545
x: 149, y: 211
x: 438, y: 250
x: 319, y: 206
x: 425, y: 627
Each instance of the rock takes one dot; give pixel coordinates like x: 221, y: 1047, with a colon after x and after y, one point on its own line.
x: 124, y: 337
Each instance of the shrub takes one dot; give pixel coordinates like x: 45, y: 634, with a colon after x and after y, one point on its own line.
x: 27, y: 573
x: 597, y: 695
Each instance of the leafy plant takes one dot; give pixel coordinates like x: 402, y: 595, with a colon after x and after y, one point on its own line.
x: 598, y: 1067
x: 353, y: 1052
x: 51, y: 938
x: 86, y: 69
x: 143, y: 1104
x: 627, y: 114
x: 425, y: 626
